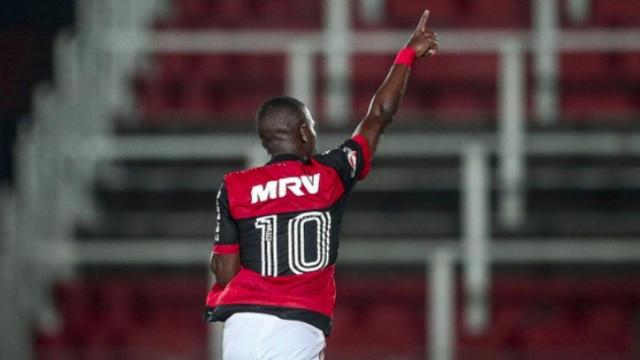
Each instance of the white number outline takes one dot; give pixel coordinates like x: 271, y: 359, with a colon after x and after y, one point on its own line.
x: 268, y: 226
x: 297, y: 261
x: 295, y: 242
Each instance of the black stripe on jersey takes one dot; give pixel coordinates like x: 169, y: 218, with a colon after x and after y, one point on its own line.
x: 255, y: 259
x: 223, y: 312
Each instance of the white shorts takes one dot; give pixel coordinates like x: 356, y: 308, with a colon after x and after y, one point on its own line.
x: 249, y: 336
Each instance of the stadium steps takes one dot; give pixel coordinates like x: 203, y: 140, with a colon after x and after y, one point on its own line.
x: 418, y: 198
x: 307, y: 14
x: 533, y: 314
x: 594, y: 87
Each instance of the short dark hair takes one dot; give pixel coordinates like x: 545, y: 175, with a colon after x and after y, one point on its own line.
x: 277, y: 121
x: 279, y: 104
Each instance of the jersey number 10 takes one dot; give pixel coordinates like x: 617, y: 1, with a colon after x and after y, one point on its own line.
x: 296, y: 242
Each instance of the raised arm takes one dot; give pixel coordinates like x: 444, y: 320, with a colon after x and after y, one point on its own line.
x: 386, y: 100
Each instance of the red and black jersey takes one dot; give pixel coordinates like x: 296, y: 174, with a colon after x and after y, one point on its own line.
x: 284, y: 219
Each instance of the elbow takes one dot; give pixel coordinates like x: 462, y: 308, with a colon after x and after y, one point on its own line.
x: 221, y: 277
x: 224, y: 268
x: 383, y: 110
x: 212, y: 264
x: 222, y: 281
x: 215, y: 270
x: 224, y: 278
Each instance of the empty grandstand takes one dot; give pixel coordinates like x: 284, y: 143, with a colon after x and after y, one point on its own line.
x: 501, y: 223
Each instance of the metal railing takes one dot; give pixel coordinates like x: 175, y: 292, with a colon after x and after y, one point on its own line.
x: 14, y: 330
x: 72, y: 133
x: 54, y: 175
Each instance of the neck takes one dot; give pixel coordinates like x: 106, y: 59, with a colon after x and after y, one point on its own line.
x: 299, y: 155
x: 290, y: 151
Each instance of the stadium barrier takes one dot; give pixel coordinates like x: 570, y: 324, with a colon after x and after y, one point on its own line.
x: 72, y: 133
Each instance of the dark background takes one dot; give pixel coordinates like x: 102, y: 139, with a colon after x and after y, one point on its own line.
x: 27, y: 32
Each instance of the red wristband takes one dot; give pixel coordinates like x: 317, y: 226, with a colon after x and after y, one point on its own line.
x: 406, y: 56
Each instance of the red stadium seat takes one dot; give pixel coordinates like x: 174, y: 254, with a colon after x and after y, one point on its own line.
x: 630, y: 66
x: 465, y: 106
x: 192, y: 13
x: 458, y: 86
x: 606, y: 326
x: 470, y: 68
x: 589, y: 67
x: 299, y: 14
x: 496, y: 14
x: 404, y: 14
x: 203, y: 98
x: 597, y: 105
x: 222, y: 14
x: 616, y: 13
x: 376, y: 317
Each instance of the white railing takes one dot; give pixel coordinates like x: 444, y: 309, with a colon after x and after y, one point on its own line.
x: 511, y: 132
x: 476, y: 252
x: 509, y: 45
x: 476, y: 232
x: 72, y: 133
x: 53, y: 178
x: 234, y: 146
x: 14, y: 330
x: 546, y: 19
x: 439, y: 256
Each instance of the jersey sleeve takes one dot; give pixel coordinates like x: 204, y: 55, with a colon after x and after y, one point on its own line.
x: 352, y: 159
x: 226, y: 236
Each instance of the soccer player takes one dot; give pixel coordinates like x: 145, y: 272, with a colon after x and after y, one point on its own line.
x: 278, y: 225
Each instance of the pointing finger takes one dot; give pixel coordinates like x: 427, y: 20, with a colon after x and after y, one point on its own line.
x: 422, y: 25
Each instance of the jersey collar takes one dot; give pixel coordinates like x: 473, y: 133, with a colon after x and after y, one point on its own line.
x: 285, y: 157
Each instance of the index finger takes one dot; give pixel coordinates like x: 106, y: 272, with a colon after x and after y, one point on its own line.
x: 422, y: 25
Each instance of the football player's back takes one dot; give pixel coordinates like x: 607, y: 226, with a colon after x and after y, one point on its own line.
x: 278, y: 225
x: 286, y: 224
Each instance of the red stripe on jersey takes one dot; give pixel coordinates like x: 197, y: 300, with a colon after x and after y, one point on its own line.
x: 285, y: 186
x: 221, y: 249
x: 314, y: 291
x: 366, y: 154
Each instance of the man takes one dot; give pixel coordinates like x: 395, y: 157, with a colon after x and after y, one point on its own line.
x: 276, y: 239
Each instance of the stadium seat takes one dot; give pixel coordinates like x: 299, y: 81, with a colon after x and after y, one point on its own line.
x: 496, y: 14
x: 403, y: 14
x: 206, y: 87
x: 630, y: 66
x: 532, y: 315
x: 615, y: 13
x: 245, y: 14
x: 461, y: 13
x: 590, y: 105
x: 585, y: 67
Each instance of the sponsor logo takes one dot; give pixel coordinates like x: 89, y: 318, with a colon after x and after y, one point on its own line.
x: 296, y: 185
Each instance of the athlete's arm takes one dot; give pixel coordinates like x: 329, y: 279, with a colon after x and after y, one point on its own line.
x: 387, y: 99
x: 225, y: 255
x: 224, y: 267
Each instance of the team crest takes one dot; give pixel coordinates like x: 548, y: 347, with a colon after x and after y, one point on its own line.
x: 352, y: 157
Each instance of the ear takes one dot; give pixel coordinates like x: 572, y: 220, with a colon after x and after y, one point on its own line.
x: 303, y: 134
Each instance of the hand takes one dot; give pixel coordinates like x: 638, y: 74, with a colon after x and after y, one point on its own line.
x: 423, y: 41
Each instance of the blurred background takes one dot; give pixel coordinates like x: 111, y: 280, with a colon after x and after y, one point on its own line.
x: 500, y: 220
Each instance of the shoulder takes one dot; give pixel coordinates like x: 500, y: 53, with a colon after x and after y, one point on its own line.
x: 356, y: 144
x: 352, y: 156
x: 240, y: 175
x: 234, y: 182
